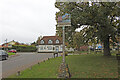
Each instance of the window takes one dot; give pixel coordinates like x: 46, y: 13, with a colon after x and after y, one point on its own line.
x: 42, y: 42
x: 50, y: 48
x: 44, y: 48
x: 57, y: 41
x: 50, y: 41
x: 5, y: 44
x: 41, y: 48
x: 61, y: 47
x: 9, y: 45
x: 57, y: 48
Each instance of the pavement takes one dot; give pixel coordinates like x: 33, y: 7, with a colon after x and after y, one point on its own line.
x: 21, y: 62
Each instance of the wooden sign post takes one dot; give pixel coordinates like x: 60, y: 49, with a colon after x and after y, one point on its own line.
x: 64, y: 21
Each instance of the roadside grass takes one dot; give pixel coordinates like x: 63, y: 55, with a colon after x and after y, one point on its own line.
x: 92, y: 66
x: 80, y: 66
x: 80, y: 52
x: 113, y: 53
x: 47, y: 69
x: 10, y: 53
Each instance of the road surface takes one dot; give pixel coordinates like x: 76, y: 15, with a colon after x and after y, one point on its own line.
x: 22, y: 61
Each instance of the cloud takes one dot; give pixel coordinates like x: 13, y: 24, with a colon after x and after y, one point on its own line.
x: 27, y: 19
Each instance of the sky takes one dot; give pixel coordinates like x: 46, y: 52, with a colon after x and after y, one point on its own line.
x: 25, y: 20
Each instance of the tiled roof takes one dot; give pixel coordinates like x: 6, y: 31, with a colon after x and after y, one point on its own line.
x: 1, y: 46
x: 53, y: 38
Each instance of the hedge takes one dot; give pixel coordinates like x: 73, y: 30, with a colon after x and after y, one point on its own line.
x: 24, y: 48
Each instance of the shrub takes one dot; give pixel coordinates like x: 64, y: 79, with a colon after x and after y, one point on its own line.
x: 24, y: 48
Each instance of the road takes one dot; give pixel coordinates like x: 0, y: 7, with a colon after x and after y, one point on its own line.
x: 22, y: 61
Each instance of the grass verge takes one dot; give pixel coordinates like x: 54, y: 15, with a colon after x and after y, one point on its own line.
x: 93, y: 66
x: 47, y: 69
x: 11, y: 53
x: 81, y: 66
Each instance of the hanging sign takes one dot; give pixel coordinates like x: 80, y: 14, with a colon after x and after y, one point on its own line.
x: 64, y: 20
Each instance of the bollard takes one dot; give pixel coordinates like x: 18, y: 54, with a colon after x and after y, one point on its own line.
x: 38, y: 63
x: 48, y: 58
x: 18, y: 73
x: 54, y: 55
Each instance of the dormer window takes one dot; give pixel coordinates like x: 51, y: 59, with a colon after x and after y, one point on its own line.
x: 57, y: 41
x: 42, y: 42
x: 50, y: 41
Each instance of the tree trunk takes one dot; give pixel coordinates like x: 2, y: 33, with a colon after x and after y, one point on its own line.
x: 106, y: 47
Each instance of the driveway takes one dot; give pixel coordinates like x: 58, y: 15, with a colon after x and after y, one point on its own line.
x: 22, y: 61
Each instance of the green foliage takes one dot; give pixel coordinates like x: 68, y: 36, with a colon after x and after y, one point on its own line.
x: 24, y: 48
x: 69, y: 34
x: 34, y: 43
x: 11, y: 53
x: 100, y: 18
x: 78, y: 40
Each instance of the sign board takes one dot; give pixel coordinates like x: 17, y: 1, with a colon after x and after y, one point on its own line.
x: 64, y: 20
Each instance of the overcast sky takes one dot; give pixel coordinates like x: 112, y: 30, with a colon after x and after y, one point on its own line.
x: 25, y: 20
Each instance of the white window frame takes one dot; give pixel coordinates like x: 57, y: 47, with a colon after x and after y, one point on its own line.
x: 50, y: 41
x: 57, y: 41
x: 50, y: 48
x: 41, y: 48
x: 42, y: 42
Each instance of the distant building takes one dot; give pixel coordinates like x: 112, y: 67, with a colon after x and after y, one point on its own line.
x: 10, y: 44
x: 1, y: 47
x: 98, y: 46
x: 50, y: 44
x: 84, y: 48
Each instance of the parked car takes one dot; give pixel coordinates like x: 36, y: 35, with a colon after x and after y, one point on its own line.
x: 12, y: 50
x: 3, y: 55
